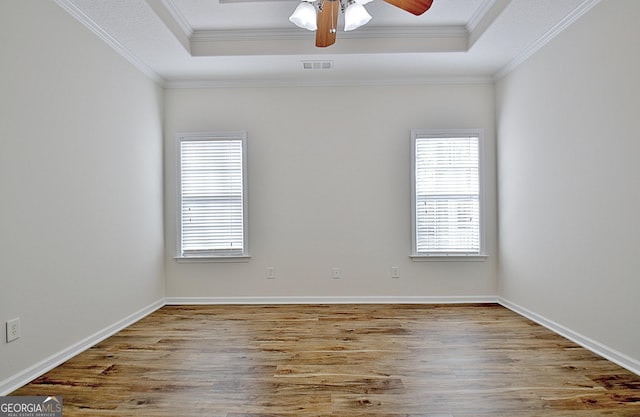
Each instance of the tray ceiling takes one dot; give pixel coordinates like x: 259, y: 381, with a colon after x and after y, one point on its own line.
x: 243, y: 42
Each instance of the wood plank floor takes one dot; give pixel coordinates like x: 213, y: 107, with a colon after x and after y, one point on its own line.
x: 339, y: 360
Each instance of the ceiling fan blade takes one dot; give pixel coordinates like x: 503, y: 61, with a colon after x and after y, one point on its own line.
x: 416, y: 7
x: 327, y: 24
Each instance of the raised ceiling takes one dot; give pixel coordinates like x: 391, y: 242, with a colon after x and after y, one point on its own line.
x: 248, y: 43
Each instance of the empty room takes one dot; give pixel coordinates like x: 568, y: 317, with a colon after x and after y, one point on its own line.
x: 405, y: 208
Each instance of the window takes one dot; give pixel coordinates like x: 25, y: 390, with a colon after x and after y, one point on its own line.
x: 212, y: 193
x: 446, y: 193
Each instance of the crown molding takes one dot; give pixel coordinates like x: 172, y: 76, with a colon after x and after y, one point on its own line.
x: 179, y: 18
x: 80, y: 16
x: 372, y: 40
x: 369, y: 39
x: 173, y: 20
x: 484, y: 17
x: 255, y: 83
x: 546, y: 38
x: 365, y: 32
x: 477, y: 17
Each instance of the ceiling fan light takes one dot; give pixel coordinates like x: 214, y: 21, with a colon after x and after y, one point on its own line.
x: 363, y: 2
x: 305, y: 16
x: 355, y: 16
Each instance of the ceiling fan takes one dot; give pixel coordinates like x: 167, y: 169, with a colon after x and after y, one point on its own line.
x: 324, y: 20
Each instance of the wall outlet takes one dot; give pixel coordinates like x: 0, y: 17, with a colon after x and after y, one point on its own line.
x: 395, y: 272
x: 13, y: 330
x: 335, y: 273
x: 271, y: 272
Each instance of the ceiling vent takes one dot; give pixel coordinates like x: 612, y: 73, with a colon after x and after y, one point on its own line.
x: 317, y: 65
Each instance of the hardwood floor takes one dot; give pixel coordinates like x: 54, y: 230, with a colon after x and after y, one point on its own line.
x: 339, y: 360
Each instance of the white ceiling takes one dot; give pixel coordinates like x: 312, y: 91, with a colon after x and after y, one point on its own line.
x: 252, y: 42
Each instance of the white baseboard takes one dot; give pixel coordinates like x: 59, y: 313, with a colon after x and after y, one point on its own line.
x: 332, y: 300
x: 16, y: 381
x: 12, y: 383
x: 22, y: 378
x: 598, y: 348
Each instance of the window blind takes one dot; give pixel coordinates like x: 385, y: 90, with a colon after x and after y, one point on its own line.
x: 447, y: 195
x: 212, y: 197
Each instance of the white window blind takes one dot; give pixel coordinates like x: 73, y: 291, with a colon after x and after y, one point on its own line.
x: 212, y: 196
x: 446, y: 194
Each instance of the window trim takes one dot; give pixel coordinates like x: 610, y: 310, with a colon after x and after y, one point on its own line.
x: 433, y: 256
x: 214, y: 135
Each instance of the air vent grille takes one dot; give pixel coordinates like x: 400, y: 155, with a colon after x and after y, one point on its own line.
x: 317, y: 65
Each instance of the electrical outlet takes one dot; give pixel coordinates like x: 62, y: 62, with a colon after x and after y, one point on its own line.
x: 271, y: 272
x: 13, y: 330
x: 395, y: 272
x: 335, y: 273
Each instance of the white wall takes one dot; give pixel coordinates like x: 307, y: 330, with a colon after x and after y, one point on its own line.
x: 81, y: 232
x: 329, y: 186
x: 569, y: 179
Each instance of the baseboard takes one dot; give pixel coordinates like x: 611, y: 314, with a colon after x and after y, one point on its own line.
x: 333, y: 300
x: 18, y: 380
x: 598, y: 348
x: 12, y: 383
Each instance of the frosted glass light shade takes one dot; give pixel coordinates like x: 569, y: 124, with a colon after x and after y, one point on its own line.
x: 363, y: 2
x: 305, y: 16
x: 355, y: 16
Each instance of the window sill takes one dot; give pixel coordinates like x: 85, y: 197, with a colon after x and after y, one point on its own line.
x: 448, y: 258
x: 196, y: 259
